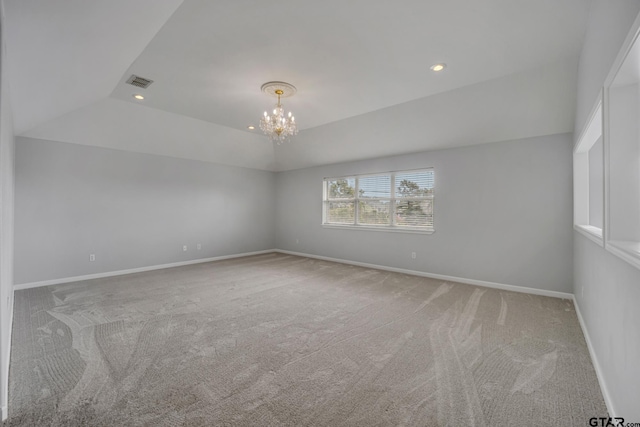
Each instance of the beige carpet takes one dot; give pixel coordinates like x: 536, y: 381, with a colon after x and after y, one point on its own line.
x: 278, y: 340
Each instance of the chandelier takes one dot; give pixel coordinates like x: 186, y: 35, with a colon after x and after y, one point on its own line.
x: 278, y: 126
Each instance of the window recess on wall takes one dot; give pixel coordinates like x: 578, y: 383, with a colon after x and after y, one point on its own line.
x: 588, y: 179
x: 622, y: 152
x: 391, y: 201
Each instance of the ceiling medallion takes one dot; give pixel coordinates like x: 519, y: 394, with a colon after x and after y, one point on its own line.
x: 278, y: 126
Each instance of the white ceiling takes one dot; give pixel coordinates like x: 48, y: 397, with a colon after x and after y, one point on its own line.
x: 65, y: 54
x: 208, y: 60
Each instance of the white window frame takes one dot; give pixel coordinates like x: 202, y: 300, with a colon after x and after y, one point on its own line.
x: 581, y: 176
x: 620, y: 237
x: 392, y: 227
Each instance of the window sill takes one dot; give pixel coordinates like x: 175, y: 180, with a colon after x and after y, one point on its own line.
x: 387, y: 229
x: 592, y: 233
x: 627, y: 250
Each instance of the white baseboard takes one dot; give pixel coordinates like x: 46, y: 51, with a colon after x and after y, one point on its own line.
x: 596, y: 365
x: 133, y: 270
x: 514, y: 288
x: 4, y: 408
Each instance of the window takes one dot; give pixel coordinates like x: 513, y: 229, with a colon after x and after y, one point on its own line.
x: 392, y: 201
x: 588, y: 179
x: 622, y: 153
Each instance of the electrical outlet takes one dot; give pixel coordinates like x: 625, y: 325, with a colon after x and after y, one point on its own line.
x: 92, y: 257
x: 199, y: 246
x: 413, y: 255
x: 184, y: 248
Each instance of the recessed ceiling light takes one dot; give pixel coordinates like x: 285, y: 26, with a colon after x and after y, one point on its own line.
x: 138, y: 97
x: 250, y: 127
x: 438, y: 67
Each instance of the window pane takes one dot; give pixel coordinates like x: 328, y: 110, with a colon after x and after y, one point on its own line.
x: 340, y: 212
x: 414, y: 184
x: 414, y: 213
x: 343, y: 188
x: 374, y: 212
x: 375, y: 186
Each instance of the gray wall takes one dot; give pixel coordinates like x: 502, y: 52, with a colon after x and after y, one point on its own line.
x: 503, y: 213
x: 7, y: 144
x: 606, y: 288
x: 130, y: 210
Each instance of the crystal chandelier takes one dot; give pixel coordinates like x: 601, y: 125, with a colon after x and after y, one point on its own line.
x: 278, y: 126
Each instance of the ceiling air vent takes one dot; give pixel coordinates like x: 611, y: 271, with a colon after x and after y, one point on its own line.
x: 139, y: 81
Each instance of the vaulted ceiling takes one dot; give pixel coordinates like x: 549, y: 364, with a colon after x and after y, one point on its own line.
x: 356, y: 64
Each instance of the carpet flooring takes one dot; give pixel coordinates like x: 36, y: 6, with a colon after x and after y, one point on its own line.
x: 279, y: 340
